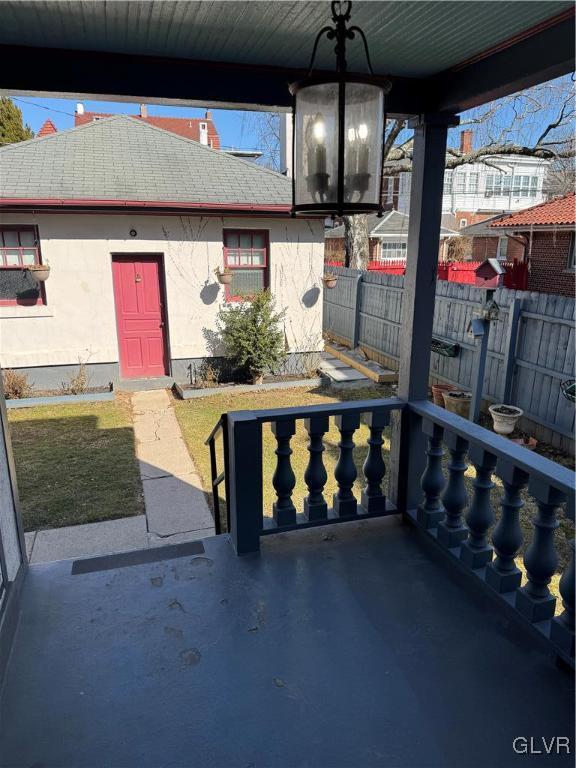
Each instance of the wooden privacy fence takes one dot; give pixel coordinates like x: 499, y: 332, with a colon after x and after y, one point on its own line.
x: 515, y: 276
x: 531, y: 346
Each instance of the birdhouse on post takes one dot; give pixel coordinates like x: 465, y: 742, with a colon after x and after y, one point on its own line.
x: 490, y: 274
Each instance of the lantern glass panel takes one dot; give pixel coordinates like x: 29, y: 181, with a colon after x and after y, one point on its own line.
x: 363, y: 136
x: 316, y: 145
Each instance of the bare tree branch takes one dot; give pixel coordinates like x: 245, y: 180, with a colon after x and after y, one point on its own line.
x: 481, y: 155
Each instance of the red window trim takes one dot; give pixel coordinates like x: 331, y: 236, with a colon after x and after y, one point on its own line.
x: 264, y: 267
x: 41, y: 300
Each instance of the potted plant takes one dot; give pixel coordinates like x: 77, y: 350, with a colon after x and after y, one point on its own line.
x: 40, y: 271
x: 224, y: 275
x: 330, y: 279
x: 438, y: 393
x: 458, y: 402
x: 505, y: 418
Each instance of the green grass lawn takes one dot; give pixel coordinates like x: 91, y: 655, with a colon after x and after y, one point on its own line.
x: 75, y: 463
x: 197, y: 417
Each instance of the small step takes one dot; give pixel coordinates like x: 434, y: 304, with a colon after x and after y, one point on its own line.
x: 340, y: 374
x: 355, y: 359
x: 138, y: 385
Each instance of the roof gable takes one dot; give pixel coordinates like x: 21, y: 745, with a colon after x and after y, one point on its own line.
x: 123, y: 159
x: 558, y: 212
x: 392, y: 223
x: 47, y: 128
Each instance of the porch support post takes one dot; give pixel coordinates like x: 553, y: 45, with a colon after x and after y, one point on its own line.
x: 408, y: 443
x: 245, y: 481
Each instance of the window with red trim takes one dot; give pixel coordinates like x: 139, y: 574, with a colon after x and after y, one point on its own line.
x: 246, y: 254
x: 19, y: 248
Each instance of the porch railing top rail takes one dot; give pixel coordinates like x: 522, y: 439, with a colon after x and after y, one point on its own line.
x: 327, y: 409
x: 533, y: 464
x: 215, y: 429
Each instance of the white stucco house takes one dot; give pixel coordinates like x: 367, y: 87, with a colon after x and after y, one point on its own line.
x: 134, y: 221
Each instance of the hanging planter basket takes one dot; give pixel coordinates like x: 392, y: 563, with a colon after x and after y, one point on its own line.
x: 224, y: 276
x: 330, y: 280
x: 568, y: 389
x: 39, y: 271
x: 444, y: 348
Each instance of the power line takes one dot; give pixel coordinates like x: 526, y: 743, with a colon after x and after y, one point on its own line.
x: 42, y: 106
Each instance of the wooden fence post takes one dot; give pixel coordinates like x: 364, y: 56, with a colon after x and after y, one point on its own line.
x: 514, y: 315
x: 356, y: 331
x: 478, y: 370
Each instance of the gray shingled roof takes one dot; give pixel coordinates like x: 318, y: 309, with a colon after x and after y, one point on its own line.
x: 120, y: 158
x: 392, y: 223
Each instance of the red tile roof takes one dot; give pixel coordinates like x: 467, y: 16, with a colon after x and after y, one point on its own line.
x: 561, y: 211
x: 47, y: 129
x: 188, y: 127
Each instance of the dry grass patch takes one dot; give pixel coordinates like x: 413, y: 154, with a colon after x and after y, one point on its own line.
x: 75, y: 463
x: 198, y: 416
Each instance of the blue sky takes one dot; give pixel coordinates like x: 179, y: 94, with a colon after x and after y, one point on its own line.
x: 233, y: 126
x: 238, y: 129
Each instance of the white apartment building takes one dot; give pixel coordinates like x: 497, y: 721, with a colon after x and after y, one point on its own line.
x: 479, y: 190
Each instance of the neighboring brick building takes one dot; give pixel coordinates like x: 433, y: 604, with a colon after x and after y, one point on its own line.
x: 488, y: 244
x: 547, y: 232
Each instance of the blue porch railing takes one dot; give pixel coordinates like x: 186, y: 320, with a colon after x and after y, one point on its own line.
x: 468, y: 530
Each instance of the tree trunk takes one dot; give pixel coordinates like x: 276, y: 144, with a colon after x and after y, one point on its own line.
x: 356, y: 242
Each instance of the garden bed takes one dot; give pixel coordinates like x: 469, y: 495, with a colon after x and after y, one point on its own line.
x: 56, y: 397
x: 190, y: 392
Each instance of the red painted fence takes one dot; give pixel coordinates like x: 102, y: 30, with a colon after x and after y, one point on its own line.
x: 515, y: 277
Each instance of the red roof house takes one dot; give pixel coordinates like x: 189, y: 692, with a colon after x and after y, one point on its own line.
x: 558, y: 212
x: 200, y: 129
x: 547, y: 232
x: 47, y: 128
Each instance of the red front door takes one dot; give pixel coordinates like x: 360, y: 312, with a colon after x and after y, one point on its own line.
x: 140, y: 316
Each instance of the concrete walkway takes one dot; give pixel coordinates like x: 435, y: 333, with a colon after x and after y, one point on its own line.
x: 176, y: 507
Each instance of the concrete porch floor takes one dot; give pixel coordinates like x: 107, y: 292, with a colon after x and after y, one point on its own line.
x: 347, y: 646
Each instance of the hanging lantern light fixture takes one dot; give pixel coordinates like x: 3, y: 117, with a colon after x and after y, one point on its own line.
x: 338, y: 135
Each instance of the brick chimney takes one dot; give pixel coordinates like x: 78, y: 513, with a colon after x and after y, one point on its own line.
x: 208, y: 115
x: 466, y: 138
x: 143, y: 110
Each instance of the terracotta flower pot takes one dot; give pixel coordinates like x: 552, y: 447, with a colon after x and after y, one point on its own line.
x: 458, y: 402
x: 505, y: 418
x: 225, y: 278
x: 40, y: 271
x: 526, y: 442
x: 438, y: 393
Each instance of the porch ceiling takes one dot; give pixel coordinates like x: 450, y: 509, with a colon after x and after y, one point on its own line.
x: 233, y: 41
x: 412, y: 39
